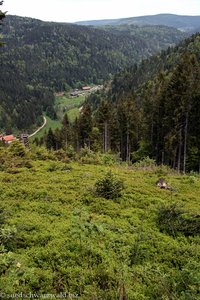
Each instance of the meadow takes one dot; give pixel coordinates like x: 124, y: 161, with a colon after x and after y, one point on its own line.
x: 58, y: 237
x: 67, y: 103
x: 63, y: 104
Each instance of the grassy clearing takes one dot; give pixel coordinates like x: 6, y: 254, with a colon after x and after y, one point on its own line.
x: 73, y: 114
x: 66, y: 103
x: 53, y: 124
x: 63, y: 104
x: 69, y: 240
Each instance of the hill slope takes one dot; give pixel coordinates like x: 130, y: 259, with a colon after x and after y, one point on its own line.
x: 155, y: 108
x: 184, y: 23
x: 58, y: 238
x: 58, y: 55
x: 38, y: 56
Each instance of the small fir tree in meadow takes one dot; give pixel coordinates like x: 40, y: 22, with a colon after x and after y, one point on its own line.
x: 109, y: 187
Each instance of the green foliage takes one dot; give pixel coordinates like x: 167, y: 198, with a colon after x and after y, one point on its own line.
x: 41, y: 153
x: 14, y: 156
x: 57, y: 237
x: 173, y: 220
x: 53, y: 167
x: 16, y: 148
x: 66, y: 103
x: 109, y: 159
x: 154, y: 109
x: 141, y: 153
x: 109, y: 187
x: 146, y: 163
x: 7, y: 236
x: 70, y: 152
x: 88, y: 156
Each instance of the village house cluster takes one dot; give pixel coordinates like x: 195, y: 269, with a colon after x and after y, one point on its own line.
x: 84, y: 89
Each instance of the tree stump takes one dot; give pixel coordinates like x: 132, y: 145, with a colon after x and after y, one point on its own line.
x: 161, y: 183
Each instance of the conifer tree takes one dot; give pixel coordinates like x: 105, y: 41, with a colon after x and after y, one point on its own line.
x: 178, y: 104
x: 128, y: 119
x: 66, y: 130
x: 50, y: 140
x: 85, y: 125
x: 104, y: 114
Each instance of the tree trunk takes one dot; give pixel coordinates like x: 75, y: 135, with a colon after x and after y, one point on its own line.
x: 105, y: 136
x: 179, y: 151
x: 127, y: 148
x: 123, y: 295
x: 163, y: 157
x: 185, y: 143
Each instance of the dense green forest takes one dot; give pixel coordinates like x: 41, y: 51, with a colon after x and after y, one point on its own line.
x: 156, y: 108
x: 39, y: 58
x: 61, y: 55
x: 87, y: 226
x: 147, y: 110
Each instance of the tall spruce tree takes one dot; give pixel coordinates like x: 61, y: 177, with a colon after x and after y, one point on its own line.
x: 50, y: 140
x: 84, y: 128
x: 66, y: 131
x: 128, y: 116
x: 103, y: 119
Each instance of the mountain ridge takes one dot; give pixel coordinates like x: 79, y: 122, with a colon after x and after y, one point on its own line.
x: 182, y: 22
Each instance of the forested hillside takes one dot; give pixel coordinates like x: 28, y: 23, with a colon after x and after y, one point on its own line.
x: 41, y: 57
x: 62, y: 55
x: 150, y: 109
x: 153, y: 109
x: 185, y: 23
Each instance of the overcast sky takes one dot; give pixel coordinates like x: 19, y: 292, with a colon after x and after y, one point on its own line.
x: 79, y: 10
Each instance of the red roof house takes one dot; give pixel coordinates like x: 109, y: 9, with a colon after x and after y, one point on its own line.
x: 7, y: 138
x: 86, y: 88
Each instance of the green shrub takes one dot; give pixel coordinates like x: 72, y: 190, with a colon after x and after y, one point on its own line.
x: 109, y: 159
x: 17, y: 149
x: 192, y: 179
x: 109, y: 187
x: 2, y: 215
x: 53, y: 167
x: 173, y: 220
x: 66, y: 168
x: 145, y: 163
x: 61, y: 156
x: 41, y: 153
x: 8, y: 236
x: 70, y: 152
x: 87, y: 156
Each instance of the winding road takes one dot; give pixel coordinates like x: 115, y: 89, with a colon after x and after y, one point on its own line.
x: 45, y: 121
